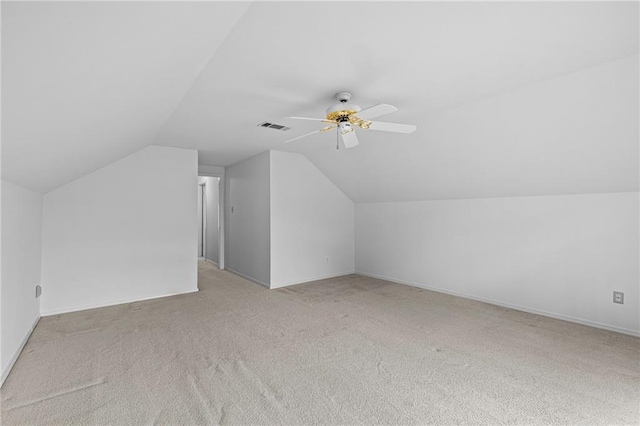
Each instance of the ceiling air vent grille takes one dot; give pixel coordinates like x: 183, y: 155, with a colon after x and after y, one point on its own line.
x: 274, y: 126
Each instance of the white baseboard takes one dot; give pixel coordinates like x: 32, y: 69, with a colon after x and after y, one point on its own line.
x: 253, y: 280
x: 325, y: 277
x: 111, y: 303
x: 211, y: 262
x: 16, y: 354
x: 508, y: 305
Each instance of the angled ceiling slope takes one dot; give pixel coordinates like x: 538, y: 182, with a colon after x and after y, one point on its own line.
x: 87, y: 83
x: 433, y: 60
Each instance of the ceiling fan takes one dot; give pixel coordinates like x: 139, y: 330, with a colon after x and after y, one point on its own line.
x: 345, y: 116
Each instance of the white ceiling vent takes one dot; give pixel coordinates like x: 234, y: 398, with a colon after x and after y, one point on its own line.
x: 274, y: 126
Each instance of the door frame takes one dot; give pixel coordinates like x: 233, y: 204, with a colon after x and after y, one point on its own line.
x: 203, y: 219
x: 214, y: 171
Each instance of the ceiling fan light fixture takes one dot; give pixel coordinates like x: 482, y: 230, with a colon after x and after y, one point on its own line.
x: 345, y: 127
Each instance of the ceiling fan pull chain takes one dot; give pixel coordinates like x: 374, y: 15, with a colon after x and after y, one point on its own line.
x: 338, y: 138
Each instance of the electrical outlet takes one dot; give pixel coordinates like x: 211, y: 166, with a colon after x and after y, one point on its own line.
x: 38, y: 291
x: 618, y: 297
x: 326, y: 259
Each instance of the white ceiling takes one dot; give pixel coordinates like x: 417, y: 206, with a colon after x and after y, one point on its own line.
x: 85, y: 84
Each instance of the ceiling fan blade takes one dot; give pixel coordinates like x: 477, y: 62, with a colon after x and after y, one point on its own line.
x: 350, y: 139
x: 376, y: 111
x: 392, y: 127
x: 309, y: 118
x: 324, y: 129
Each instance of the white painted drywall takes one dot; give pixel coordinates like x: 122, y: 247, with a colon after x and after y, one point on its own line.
x: 123, y: 233
x: 211, y: 199
x: 247, y: 219
x: 21, y: 262
x: 561, y: 256
x: 85, y: 84
x: 312, y: 223
x: 205, y: 170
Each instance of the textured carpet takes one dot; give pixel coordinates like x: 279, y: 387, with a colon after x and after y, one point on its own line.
x: 351, y: 350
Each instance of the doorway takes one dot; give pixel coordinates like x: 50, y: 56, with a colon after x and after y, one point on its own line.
x: 209, y: 219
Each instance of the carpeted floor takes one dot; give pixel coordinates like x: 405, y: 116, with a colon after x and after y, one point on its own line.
x: 351, y: 350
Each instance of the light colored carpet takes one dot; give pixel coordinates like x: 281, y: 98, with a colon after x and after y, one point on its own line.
x: 351, y: 350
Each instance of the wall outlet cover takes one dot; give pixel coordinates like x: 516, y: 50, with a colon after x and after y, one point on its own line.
x: 618, y: 297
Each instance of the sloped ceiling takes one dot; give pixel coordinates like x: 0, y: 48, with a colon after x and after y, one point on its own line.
x: 504, y: 94
x: 87, y: 83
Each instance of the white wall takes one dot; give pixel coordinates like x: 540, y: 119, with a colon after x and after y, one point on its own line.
x: 247, y: 219
x: 312, y: 223
x: 21, y: 261
x: 206, y: 170
x: 558, y: 255
x: 123, y: 233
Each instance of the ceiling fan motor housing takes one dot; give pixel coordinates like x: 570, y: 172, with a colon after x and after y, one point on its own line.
x: 343, y: 96
x: 341, y: 112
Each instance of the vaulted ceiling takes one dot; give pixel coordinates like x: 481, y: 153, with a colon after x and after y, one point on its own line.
x: 510, y: 99
x: 87, y: 83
